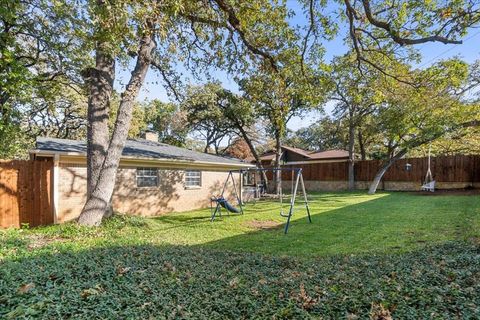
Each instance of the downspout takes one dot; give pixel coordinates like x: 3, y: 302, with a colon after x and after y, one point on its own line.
x: 55, y: 187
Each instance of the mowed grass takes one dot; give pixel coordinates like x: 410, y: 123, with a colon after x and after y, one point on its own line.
x: 404, y: 255
x: 342, y: 223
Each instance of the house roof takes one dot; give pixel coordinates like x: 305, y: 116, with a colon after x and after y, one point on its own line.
x: 137, y: 148
x: 329, y: 154
x: 270, y: 155
x: 297, y: 150
x: 309, y: 155
x: 267, y: 156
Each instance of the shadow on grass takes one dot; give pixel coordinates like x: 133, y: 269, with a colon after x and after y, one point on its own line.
x: 391, y: 222
x: 144, y: 281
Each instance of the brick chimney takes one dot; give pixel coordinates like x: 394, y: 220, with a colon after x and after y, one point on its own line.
x: 150, y: 135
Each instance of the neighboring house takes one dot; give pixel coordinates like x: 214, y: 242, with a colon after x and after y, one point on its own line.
x: 329, y: 156
x: 153, y: 178
x: 291, y: 155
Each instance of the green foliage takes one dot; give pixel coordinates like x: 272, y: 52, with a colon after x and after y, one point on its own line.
x: 13, y: 140
x: 183, y: 266
x: 142, y: 281
x: 465, y: 141
x: 39, y: 65
x: 48, y: 49
x: 168, y: 120
x: 391, y: 116
x: 278, y: 97
x: 327, y: 133
x: 413, y: 116
x: 204, y: 114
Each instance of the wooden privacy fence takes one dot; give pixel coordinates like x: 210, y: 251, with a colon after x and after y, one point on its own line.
x: 459, y: 168
x: 26, y: 193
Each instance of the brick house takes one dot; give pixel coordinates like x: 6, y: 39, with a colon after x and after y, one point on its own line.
x: 153, y: 178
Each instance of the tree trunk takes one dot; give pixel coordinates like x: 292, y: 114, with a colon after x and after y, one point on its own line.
x: 259, y: 164
x: 97, y: 203
x: 278, y: 173
x: 361, y: 144
x: 208, y: 141
x: 351, y: 154
x: 100, y: 80
x: 383, y: 169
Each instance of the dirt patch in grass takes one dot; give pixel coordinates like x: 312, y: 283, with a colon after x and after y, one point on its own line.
x: 475, y: 240
x: 263, y: 225
x: 38, y: 241
x: 450, y: 192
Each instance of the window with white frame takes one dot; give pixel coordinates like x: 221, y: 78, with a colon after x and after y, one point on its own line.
x: 147, y: 177
x: 193, y: 178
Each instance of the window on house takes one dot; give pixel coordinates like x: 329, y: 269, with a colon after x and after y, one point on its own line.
x: 147, y: 177
x: 193, y: 178
x: 249, y: 178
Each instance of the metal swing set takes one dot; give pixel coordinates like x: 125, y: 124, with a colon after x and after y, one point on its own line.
x: 221, y: 202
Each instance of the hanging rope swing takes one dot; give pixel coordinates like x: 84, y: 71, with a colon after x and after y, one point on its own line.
x: 429, y: 183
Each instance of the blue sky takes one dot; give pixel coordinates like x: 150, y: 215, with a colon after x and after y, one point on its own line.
x: 431, y: 53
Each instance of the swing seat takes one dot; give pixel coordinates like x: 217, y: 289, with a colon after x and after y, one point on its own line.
x: 283, y: 214
x: 225, y: 204
x: 429, y: 186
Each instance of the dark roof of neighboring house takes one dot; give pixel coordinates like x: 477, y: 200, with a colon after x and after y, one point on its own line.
x: 297, y: 150
x: 270, y: 155
x: 309, y: 155
x: 329, y: 154
x: 267, y: 156
x: 138, y: 148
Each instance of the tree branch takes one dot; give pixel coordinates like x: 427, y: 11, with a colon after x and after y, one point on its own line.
x: 235, y: 24
x: 394, y: 34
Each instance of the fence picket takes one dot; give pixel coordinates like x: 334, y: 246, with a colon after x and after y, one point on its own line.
x: 25, y: 195
x: 444, y: 168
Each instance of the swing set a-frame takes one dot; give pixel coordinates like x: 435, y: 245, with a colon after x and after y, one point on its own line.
x: 297, y: 179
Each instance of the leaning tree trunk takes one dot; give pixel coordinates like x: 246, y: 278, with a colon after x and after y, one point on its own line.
x: 247, y: 139
x: 278, y: 173
x: 98, y: 201
x: 383, y: 169
x: 351, y: 154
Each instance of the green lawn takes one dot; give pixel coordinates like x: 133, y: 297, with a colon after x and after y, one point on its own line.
x: 411, y: 256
